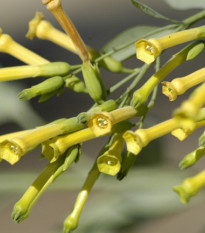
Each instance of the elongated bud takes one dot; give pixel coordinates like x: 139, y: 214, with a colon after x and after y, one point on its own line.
x: 192, y: 158
x: 48, y: 86
x: 110, y: 161
x: 8, y: 45
x: 74, y: 83
x: 93, y: 82
x: 190, y: 187
x: 46, y: 70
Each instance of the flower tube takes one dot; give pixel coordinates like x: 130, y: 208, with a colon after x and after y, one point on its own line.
x: 179, y: 86
x: 148, y: 50
x: 190, y: 187
x: 140, y: 138
x: 8, y: 45
x: 110, y: 161
x: 23, y: 207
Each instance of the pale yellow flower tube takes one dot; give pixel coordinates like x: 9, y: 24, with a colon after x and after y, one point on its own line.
x: 148, y: 50
x: 8, y: 45
x: 179, y: 86
x: 140, y: 138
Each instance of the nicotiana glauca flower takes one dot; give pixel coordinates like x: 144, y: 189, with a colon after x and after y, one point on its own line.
x: 191, y: 158
x: 8, y: 45
x: 182, y: 134
x: 142, y: 94
x: 148, y: 50
x: 13, y: 149
x: 187, y: 113
x: 23, y: 207
x: 45, y: 30
x: 102, y: 123
x: 33, y: 71
x: 179, y: 86
x: 110, y: 161
x: 71, y: 222
x: 140, y: 138
x: 190, y: 187
x: 74, y: 83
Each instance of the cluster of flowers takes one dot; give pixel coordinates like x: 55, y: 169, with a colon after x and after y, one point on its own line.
x: 61, y: 139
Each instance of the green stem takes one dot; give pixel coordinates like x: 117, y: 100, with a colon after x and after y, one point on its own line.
x: 123, y: 81
x: 194, y: 18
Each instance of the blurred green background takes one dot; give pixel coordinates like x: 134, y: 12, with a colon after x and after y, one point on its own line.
x: 144, y: 201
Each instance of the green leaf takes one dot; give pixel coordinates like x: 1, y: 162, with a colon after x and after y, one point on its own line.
x: 130, y: 36
x: 186, y: 4
x: 149, y: 11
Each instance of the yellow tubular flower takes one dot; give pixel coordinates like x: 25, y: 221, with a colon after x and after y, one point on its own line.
x: 148, y: 50
x: 55, y: 147
x: 23, y: 207
x: 56, y: 9
x: 71, y: 222
x: 14, y: 148
x: 12, y: 135
x: 190, y: 187
x: 44, y: 30
x: 140, y: 138
x: 33, y: 71
x: 182, y: 134
x: 180, y: 85
x: 110, y: 161
x: 8, y: 45
x: 101, y: 123
x: 187, y: 114
x: 188, y: 53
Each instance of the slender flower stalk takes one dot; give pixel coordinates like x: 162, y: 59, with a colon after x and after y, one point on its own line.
x: 179, y: 86
x: 190, y: 187
x: 148, y: 50
x: 142, y: 94
x: 33, y: 71
x: 14, y: 148
x: 191, y: 158
x: 102, y: 123
x: 23, y: 207
x: 110, y: 161
x: 8, y: 45
x: 140, y: 138
x: 56, y: 9
x: 71, y: 222
x: 187, y: 113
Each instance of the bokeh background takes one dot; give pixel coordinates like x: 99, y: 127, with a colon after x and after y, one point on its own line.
x: 143, y: 202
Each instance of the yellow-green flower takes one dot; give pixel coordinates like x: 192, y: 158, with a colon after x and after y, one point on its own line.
x: 33, y: 71
x: 179, y: 86
x: 140, y: 138
x: 55, y: 147
x: 71, y: 222
x: 187, y: 113
x: 148, y: 50
x: 102, y: 123
x: 110, y: 161
x: 142, y: 94
x: 8, y: 45
x: 23, y: 207
x: 190, y: 187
